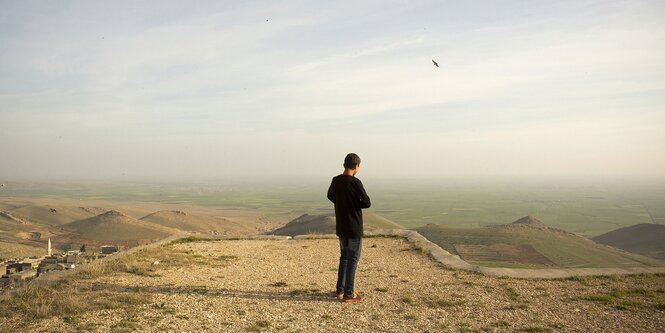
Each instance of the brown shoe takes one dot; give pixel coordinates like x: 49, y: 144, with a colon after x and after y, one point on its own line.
x: 340, y: 296
x: 355, y: 299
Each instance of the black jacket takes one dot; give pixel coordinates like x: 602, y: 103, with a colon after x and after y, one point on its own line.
x: 349, y: 197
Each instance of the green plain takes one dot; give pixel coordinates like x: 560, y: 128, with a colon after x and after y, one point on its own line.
x: 586, y: 209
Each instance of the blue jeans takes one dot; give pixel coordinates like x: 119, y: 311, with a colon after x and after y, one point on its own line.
x: 350, y: 249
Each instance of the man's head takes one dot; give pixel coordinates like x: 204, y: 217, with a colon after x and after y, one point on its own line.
x: 352, y: 162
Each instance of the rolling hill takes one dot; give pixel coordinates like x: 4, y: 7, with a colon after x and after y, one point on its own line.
x: 53, y: 215
x: 646, y: 238
x: 18, y: 236
x: 27, y: 223
x: 116, y: 226
x: 183, y: 221
x: 529, y: 243
x: 180, y: 220
x: 325, y: 224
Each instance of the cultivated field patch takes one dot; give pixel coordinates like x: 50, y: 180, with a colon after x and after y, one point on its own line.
x: 509, y: 253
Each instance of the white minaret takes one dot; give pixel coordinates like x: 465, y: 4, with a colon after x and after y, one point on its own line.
x: 50, y: 252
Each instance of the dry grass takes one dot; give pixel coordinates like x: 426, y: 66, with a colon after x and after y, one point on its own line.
x: 69, y: 295
x: 37, y: 301
x: 436, y: 302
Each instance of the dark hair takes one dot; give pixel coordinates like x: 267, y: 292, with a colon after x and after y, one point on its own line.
x: 351, y: 161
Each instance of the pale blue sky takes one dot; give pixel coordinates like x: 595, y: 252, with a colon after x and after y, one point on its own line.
x: 178, y: 90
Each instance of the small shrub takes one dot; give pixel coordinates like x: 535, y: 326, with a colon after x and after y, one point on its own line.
x: 621, y: 307
x: 259, y: 326
x: 141, y: 271
x: 191, y: 239
x: 407, y: 300
x: 601, y: 298
x: 126, y: 298
x: 660, y: 306
x: 72, y: 320
x: 582, y: 279
x: 227, y: 258
x: 535, y: 329
x: 640, y: 291
x: 512, y: 293
x: 628, y: 305
x: 382, y: 290
x: 618, y: 292
x: 516, y: 306
x: 278, y: 284
x: 410, y: 317
x: 419, y: 249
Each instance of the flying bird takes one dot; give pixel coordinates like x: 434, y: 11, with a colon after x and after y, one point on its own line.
x: 435, y: 63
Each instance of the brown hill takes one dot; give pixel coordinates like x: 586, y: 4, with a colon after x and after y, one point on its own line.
x: 52, y: 215
x: 530, y: 221
x: 646, y: 238
x: 114, y: 225
x: 325, y: 224
x: 16, y: 234
x: 516, y: 244
x: 206, y: 224
x: 535, y: 224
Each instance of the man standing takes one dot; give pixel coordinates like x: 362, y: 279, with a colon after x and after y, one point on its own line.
x: 349, y: 196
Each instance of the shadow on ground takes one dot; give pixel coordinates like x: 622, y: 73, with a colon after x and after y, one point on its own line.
x: 293, y: 295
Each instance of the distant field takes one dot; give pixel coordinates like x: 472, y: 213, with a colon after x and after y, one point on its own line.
x: 584, y: 209
x: 509, y: 246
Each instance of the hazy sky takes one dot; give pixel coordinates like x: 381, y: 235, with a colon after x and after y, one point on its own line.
x: 178, y: 90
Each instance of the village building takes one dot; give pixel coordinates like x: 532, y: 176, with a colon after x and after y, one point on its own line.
x: 109, y: 249
x: 15, y: 271
x: 50, y: 263
x: 31, y: 263
x: 17, y: 278
x: 72, y: 257
x: 13, y: 267
x: 50, y: 266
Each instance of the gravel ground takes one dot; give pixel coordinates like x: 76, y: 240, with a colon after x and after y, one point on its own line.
x: 285, y: 286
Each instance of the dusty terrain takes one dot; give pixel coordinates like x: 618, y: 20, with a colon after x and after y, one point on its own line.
x: 26, y: 224
x: 284, y: 286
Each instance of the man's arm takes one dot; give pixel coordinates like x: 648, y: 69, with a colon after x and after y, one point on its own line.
x: 364, y: 198
x: 331, y: 191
